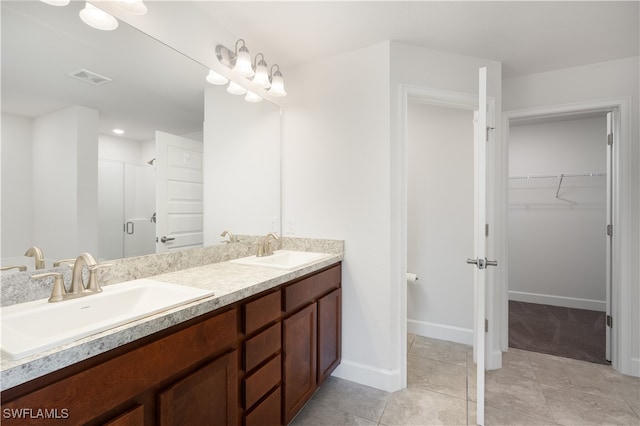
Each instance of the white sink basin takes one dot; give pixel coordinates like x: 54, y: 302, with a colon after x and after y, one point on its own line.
x: 33, y: 327
x: 283, y: 259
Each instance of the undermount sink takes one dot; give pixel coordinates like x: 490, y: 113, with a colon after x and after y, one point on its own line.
x: 283, y: 259
x: 33, y: 327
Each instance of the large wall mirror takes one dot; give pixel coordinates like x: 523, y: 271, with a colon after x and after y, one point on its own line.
x: 70, y: 185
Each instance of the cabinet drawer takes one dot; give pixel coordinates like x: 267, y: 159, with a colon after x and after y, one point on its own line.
x: 309, y: 289
x: 261, y: 312
x: 262, y: 346
x: 268, y: 412
x: 133, y: 417
x: 259, y: 383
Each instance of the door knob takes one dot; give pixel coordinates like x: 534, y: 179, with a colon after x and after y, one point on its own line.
x: 482, y: 263
x: 165, y: 239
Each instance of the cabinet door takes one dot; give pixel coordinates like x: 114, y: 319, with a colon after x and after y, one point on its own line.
x: 300, y: 339
x: 208, y: 396
x: 329, y: 333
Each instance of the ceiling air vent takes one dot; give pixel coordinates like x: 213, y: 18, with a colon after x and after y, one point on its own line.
x: 90, y: 77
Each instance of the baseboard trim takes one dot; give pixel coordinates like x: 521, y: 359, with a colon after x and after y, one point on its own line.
x: 635, y: 367
x: 440, y: 331
x: 379, y: 378
x: 567, y: 302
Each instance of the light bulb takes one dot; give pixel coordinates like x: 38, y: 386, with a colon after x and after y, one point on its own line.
x: 235, y: 89
x: 98, y: 18
x: 215, y: 78
x: 252, y: 97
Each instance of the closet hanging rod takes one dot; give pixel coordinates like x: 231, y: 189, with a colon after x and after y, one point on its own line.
x: 559, y: 175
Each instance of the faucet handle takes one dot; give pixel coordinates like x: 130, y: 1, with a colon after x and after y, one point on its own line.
x: 20, y: 268
x: 57, y: 294
x: 94, y: 285
x: 70, y: 262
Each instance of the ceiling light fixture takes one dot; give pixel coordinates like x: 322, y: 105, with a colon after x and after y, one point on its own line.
x: 134, y: 7
x: 118, y: 131
x: 217, y: 79
x: 98, y: 18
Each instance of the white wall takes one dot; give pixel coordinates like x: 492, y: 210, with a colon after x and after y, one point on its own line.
x: 241, y: 146
x: 65, y: 178
x: 440, y: 221
x: 17, y: 185
x: 336, y: 185
x: 557, y: 246
x: 601, y: 81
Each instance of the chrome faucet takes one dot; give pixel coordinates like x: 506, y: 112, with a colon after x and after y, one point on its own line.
x: 265, y: 248
x: 232, y: 238
x: 36, y: 253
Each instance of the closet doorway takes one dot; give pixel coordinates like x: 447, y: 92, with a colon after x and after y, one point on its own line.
x: 559, y: 206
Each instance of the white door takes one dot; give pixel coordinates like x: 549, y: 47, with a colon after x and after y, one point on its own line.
x: 609, y: 237
x: 178, y: 193
x: 480, y: 242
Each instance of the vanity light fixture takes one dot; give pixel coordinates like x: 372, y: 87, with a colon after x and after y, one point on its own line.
x: 98, y: 18
x: 56, y: 2
x: 217, y: 79
x: 118, y: 131
x: 252, y: 97
x: 239, y: 62
x: 134, y: 7
x: 262, y: 73
x: 277, y: 83
x: 235, y: 89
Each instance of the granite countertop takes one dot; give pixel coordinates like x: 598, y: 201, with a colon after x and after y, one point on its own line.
x: 229, y: 282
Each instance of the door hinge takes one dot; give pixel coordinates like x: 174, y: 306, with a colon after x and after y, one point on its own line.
x: 609, y: 321
x: 486, y: 325
x: 487, y: 136
x: 486, y: 229
x: 609, y: 230
x: 610, y: 139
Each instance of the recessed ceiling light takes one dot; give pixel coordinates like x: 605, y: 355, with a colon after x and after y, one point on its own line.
x: 118, y: 131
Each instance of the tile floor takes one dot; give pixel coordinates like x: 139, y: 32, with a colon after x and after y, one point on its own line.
x: 530, y: 389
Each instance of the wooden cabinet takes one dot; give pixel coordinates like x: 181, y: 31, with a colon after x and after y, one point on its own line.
x: 207, y: 396
x: 311, y: 336
x: 255, y: 363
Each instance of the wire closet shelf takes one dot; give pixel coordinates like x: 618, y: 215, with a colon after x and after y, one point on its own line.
x: 560, y: 177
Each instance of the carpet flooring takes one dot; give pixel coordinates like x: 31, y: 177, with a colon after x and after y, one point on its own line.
x: 566, y: 332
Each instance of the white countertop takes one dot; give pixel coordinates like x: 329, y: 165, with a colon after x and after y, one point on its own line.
x: 230, y: 283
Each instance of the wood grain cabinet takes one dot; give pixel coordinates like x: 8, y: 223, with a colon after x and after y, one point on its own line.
x: 311, y: 336
x: 253, y: 363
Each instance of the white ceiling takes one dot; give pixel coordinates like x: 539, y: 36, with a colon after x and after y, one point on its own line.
x: 41, y: 44
x: 528, y: 37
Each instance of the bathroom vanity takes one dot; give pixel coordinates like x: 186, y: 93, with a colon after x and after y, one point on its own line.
x: 254, y: 359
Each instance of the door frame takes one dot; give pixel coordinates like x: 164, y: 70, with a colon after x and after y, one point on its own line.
x: 621, y: 263
x: 452, y: 99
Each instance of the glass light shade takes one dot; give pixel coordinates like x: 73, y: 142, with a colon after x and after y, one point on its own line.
x: 98, y: 18
x: 56, y: 2
x: 262, y: 75
x: 215, y: 78
x: 134, y: 7
x: 235, y: 89
x: 243, y: 63
x: 277, y: 85
x: 252, y: 97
